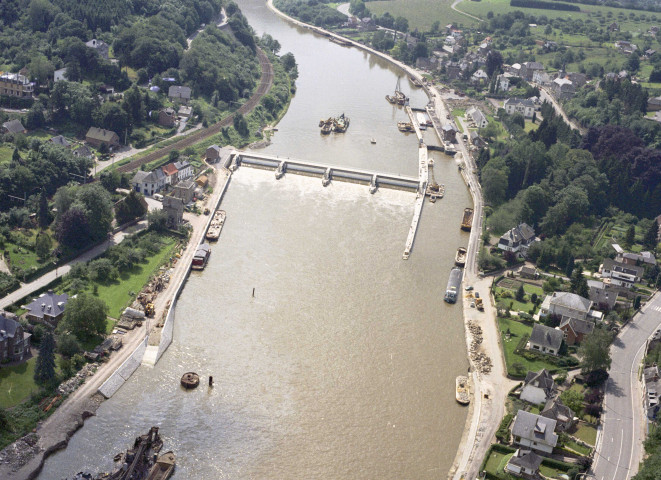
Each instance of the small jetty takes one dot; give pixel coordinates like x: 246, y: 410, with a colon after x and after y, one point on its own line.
x: 467, y: 221
x: 460, y: 257
x: 190, y: 380
x: 462, y: 393
x: 216, y: 225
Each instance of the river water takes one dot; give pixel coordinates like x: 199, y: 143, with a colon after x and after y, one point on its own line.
x: 343, y: 364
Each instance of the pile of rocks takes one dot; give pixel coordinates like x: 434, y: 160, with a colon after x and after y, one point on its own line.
x: 21, y: 451
x: 480, y: 360
x: 78, y: 379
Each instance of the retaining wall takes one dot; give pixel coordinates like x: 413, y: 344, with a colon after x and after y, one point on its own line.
x: 125, y: 370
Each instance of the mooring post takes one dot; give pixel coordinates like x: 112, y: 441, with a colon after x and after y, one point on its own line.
x: 253, y: 292
x: 210, y: 380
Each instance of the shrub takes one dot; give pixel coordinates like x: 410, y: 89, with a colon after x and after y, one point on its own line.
x: 503, y: 432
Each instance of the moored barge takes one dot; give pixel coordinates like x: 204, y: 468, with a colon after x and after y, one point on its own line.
x: 452, y: 290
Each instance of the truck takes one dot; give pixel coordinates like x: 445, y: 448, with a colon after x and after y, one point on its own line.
x: 478, y: 304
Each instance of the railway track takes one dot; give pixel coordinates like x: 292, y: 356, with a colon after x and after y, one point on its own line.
x: 265, y: 83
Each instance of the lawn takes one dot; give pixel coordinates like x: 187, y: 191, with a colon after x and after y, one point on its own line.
x: 583, y: 450
x: 551, y: 472
x: 518, y: 330
x: 421, y: 14
x: 6, y: 152
x: 118, y: 295
x: 511, y: 286
x: 17, y: 382
x: 586, y: 433
x: 494, y: 462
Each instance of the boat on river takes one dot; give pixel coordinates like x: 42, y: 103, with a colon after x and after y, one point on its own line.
x: 467, y: 221
x: 216, y: 225
x: 326, y: 126
x: 454, y: 281
x: 163, y: 467
x: 462, y: 390
x: 405, y: 127
x: 398, y: 98
x: 373, y: 141
x: 460, y: 257
x: 340, y: 124
x: 415, y: 81
x: 201, y: 257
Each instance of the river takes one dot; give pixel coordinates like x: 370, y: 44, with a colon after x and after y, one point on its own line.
x: 343, y: 364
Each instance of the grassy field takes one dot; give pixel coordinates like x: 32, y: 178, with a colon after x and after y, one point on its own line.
x: 6, y: 151
x: 421, y: 14
x: 518, y: 330
x: 511, y: 286
x: 494, y: 462
x: 17, y: 382
x: 586, y: 432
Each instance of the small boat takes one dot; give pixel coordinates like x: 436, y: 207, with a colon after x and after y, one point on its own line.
x: 462, y: 390
x: 340, y: 124
x: 216, y: 225
x: 467, y: 221
x: 405, y: 126
x: 201, y: 257
x: 326, y: 126
x: 430, y: 162
x: 460, y: 257
x: 373, y: 140
x: 399, y: 98
x: 163, y: 467
x: 449, y: 148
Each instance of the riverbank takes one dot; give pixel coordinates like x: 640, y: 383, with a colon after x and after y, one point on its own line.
x: 490, y: 389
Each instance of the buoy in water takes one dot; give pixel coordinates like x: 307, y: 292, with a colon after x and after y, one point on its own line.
x: 210, y: 381
x: 190, y: 380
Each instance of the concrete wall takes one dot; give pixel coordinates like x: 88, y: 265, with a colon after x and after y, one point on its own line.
x: 125, y: 370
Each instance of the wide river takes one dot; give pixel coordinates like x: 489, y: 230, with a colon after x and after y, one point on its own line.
x: 343, y: 365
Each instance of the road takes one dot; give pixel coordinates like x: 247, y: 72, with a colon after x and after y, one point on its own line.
x: 454, y: 7
x: 47, y: 278
x: 619, y: 449
x: 546, y: 95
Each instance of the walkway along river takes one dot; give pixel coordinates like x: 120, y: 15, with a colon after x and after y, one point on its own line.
x: 343, y: 364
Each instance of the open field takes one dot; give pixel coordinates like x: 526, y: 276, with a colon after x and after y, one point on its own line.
x: 421, y: 14
x: 17, y: 382
x: 587, y: 433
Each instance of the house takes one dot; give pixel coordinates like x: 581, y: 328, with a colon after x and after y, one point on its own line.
x: 503, y: 83
x: 534, y: 432
x: 185, y: 112
x: 366, y: 24
x: 541, y: 78
x: 148, y: 183
x: 578, y: 79
x: 642, y: 258
x: 449, y: 133
x: 16, y: 85
x: 185, y: 190
x: 83, y: 152
x: 626, y: 47
x: 99, y: 136
x: 479, y: 77
x: 60, y: 75
x: 563, y: 88
x: 538, y: 387
x: 213, y: 154
x: 174, y: 209
x: 654, y: 104
x: 545, y: 339
x: 61, y: 141
x: 550, y: 46
x: 14, y: 127
x: 477, y: 117
x: 202, y: 181
x: 649, y: 53
x: 167, y: 117
x: 14, y: 341
x: 185, y: 170
x: 453, y: 70
x: 653, y: 30
x: 518, y: 239
x: 519, y: 105
x: 602, y: 295
x: 562, y: 414
x: 566, y: 304
x: 524, y: 462
x: 179, y: 92
x: 484, y: 48
x: 170, y: 171
x: 528, y: 69
x: 476, y: 140
x: 528, y: 272
x: 48, y: 308
x: 515, y: 70
x: 575, y: 330
x: 620, y: 273
x: 100, y: 46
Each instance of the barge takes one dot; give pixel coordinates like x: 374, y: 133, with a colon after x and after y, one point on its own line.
x: 452, y: 290
x: 467, y: 221
x: 201, y: 257
x: 462, y: 391
x: 216, y: 225
x: 405, y: 127
x: 460, y: 257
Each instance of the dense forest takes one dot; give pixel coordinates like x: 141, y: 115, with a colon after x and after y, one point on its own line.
x: 315, y: 12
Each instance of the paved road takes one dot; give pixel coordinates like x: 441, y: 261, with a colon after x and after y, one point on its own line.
x: 619, y: 449
x: 47, y: 278
x: 546, y: 95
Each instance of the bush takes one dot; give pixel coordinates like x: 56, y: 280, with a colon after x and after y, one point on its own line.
x: 503, y: 432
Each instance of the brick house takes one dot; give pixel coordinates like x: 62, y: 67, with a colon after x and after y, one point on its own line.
x: 98, y: 136
x: 14, y: 342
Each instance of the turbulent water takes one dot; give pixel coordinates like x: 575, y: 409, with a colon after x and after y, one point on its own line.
x: 343, y: 364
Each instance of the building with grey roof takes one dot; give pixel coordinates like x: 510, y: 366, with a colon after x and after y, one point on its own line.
x: 642, y: 258
x: 48, y: 308
x: 566, y: 304
x: 14, y: 341
x: 523, y: 106
x: 561, y: 413
x: 538, y: 387
x: 179, y: 92
x: 100, y: 46
x: 621, y: 274
x: 61, y: 141
x: 575, y: 330
x: 545, y: 339
x: 518, y: 239
x: 524, y: 462
x: 13, y: 126
x: 477, y: 117
x: 534, y: 432
x: 149, y: 183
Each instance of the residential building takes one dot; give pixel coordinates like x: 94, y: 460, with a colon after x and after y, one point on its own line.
x: 174, y: 209
x: 213, y: 154
x: 613, y: 27
x: 480, y: 77
x: 566, y: 304
x: 170, y: 171
x: 620, y: 273
x: 530, y: 273
x: 518, y: 239
x: 476, y: 140
x: 185, y: 170
x: 100, y: 46
x: 575, y: 330
x: 577, y: 78
x: 534, y: 432
x: 14, y: 341
x: 148, y: 183
x: 515, y: 70
x: 640, y: 259
x: 562, y: 414
x: 524, y: 462
x: 503, y: 83
x: 167, y: 117
x: 16, y: 85
x: 185, y: 190
x: 61, y: 141
x: 545, y: 339
x: 542, y: 78
x: 185, y: 112
x: 602, y: 295
x: 538, y: 387
x: 654, y: 104
x: 179, y: 92
x: 83, y: 151
x: 48, y: 308
x: 563, y: 88
x: 449, y: 133
x: 60, y: 75
x: 99, y: 136
x: 518, y: 105
x: 13, y: 126
x: 477, y: 117
x: 626, y: 47
x: 528, y: 69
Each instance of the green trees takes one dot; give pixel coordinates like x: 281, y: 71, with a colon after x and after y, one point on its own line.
x: 43, y: 214
x: 130, y: 207
x: 84, y: 317
x: 44, y: 372
x: 579, y: 284
x: 520, y: 294
x: 573, y: 399
x: 595, y: 350
x: 651, y: 238
x: 43, y: 245
x: 112, y: 117
x: 84, y: 214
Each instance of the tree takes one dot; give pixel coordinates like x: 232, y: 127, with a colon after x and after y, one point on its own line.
x: 98, y: 207
x: 569, y: 269
x: 595, y: 350
x: 84, y: 317
x: 520, y: 294
x: 579, y: 284
x: 44, y: 371
x: 157, y: 220
x: 572, y: 399
x: 113, y: 117
x: 130, y: 207
x: 43, y: 245
x: 43, y: 214
x: 651, y: 238
x: 631, y: 236
x: 73, y: 229
x: 68, y: 346
x: 241, y: 125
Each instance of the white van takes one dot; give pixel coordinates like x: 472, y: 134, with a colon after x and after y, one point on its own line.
x: 158, y: 196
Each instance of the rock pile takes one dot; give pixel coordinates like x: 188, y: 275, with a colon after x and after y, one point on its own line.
x: 480, y: 360
x: 20, y: 452
x: 78, y: 379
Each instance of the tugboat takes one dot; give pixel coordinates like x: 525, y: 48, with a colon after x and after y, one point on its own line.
x: 163, y: 467
x: 340, y: 124
x: 326, y: 126
x: 201, y: 257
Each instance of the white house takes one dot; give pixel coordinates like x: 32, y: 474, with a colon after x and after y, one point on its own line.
x: 566, y: 304
x: 524, y: 462
x: 518, y: 105
x: 621, y: 274
x: 545, y: 339
x: 185, y: 170
x: 149, y: 183
x: 534, y: 432
x: 477, y: 117
x: 518, y: 239
x: 503, y: 83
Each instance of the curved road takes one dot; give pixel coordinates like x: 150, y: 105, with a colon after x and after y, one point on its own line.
x: 619, y: 448
x: 454, y: 7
